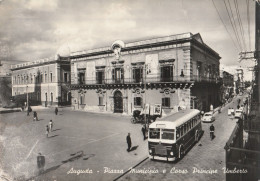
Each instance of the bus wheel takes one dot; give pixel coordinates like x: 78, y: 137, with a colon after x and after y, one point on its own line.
x: 181, y: 152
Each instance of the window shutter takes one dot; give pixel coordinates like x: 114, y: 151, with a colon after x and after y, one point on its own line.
x: 171, y: 71
x: 122, y: 73
x: 135, y: 101
x: 103, y: 76
x: 113, y: 74
x: 96, y: 75
x: 134, y: 70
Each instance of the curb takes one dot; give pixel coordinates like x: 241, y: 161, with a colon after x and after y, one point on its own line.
x: 130, y: 169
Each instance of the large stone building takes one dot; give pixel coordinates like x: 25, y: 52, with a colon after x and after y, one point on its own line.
x: 227, y: 85
x: 176, y: 72
x: 46, y: 81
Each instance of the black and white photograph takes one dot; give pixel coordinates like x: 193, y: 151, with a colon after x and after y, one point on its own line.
x: 129, y: 90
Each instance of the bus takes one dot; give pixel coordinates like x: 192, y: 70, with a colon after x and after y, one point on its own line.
x: 169, y: 138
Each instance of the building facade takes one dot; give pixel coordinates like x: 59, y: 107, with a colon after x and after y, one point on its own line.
x: 227, y: 86
x: 176, y: 72
x: 45, y: 81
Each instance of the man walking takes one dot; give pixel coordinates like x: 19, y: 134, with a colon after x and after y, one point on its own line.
x: 35, y: 118
x: 40, y: 163
x: 51, y: 125
x: 56, y: 110
x: 144, y: 131
x: 47, y: 130
x: 129, y: 142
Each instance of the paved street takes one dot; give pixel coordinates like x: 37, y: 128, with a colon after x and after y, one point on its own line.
x: 88, y: 142
x: 80, y: 141
x: 205, y: 155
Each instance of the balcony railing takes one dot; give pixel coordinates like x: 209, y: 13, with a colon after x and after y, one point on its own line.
x: 152, y: 79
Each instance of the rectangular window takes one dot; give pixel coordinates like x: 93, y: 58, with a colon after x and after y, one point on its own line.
x: 100, y: 101
x: 100, y: 76
x: 51, y: 76
x: 166, y: 73
x: 138, y: 101
x: 138, y: 75
x: 66, y: 77
x: 118, y: 75
x: 177, y: 133
x: 167, y: 134
x: 154, y: 133
x: 81, y: 77
x: 166, y: 102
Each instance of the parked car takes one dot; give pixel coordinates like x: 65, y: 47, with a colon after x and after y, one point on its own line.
x: 208, y: 117
x: 238, y: 113
x: 231, y: 111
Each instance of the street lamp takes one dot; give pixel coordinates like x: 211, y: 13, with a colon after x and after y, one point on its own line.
x: 27, y: 92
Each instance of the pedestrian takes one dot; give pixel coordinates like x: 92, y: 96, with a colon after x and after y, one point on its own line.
x: 144, y: 131
x: 238, y: 106
x: 47, y: 130
x: 51, y: 125
x: 40, y: 163
x: 211, y: 108
x: 35, y: 118
x: 28, y: 112
x: 129, y: 142
x: 56, y: 110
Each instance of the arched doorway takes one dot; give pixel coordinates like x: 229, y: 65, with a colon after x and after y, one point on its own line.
x: 118, y: 102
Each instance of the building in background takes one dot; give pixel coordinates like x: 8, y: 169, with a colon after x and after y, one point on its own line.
x: 5, y: 84
x: 227, y: 86
x: 44, y: 81
x: 177, y: 72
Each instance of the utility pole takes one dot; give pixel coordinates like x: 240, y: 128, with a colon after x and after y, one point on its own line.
x: 257, y: 48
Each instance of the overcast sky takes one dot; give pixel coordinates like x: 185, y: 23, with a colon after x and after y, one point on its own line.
x: 35, y: 29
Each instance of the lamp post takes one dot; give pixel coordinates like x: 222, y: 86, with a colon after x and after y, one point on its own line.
x: 27, y: 98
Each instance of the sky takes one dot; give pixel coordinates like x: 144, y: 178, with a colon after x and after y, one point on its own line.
x: 36, y: 29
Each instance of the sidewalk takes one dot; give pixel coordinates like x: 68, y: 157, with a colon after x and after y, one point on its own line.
x: 9, y: 110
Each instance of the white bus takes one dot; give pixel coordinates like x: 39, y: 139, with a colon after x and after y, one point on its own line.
x: 172, y: 136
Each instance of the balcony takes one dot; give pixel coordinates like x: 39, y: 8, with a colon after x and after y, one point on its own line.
x: 152, y: 81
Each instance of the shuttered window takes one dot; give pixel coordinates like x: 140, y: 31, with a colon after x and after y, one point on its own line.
x: 166, y: 102
x: 138, y: 101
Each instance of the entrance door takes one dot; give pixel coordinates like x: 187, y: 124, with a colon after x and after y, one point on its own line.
x: 118, y: 102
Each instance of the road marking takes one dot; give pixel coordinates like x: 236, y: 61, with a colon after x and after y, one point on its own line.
x: 52, y: 154
x: 77, y: 138
x: 32, y: 149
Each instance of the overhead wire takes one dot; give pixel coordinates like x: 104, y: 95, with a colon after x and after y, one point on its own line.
x: 248, y: 24
x: 233, y: 26
x: 240, y: 24
x: 225, y: 26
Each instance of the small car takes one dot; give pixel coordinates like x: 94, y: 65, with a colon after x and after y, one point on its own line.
x: 208, y: 117
x: 231, y: 111
x: 238, y: 113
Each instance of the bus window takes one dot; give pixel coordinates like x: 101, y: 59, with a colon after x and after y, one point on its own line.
x: 181, y: 130
x: 185, y: 128
x: 177, y: 133
x: 168, y: 134
x: 154, y: 133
